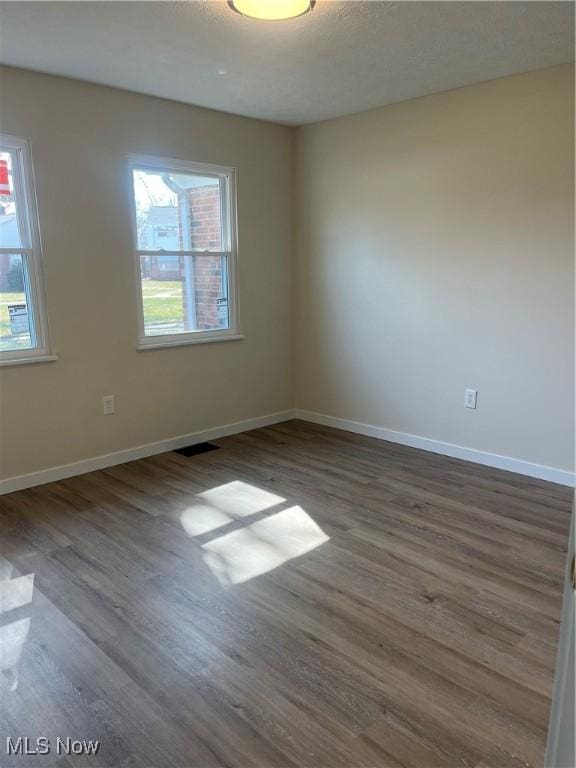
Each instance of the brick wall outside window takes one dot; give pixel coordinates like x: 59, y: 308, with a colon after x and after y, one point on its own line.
x: 209, y: 269
x: 204, y: 206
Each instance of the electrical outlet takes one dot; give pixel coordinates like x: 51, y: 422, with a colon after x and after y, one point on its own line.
x: 108, y: 405
x: 470, y: 398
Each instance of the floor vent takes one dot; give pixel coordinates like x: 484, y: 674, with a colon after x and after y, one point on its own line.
x: 195, y: 450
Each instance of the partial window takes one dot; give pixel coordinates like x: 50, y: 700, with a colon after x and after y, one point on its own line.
x: 23, y: 326
x: 185, y: 243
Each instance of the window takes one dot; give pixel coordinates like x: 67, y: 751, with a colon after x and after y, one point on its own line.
x: 23, y: 326
x: 185, y: 244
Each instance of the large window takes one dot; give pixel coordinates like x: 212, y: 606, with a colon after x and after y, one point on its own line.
x: 23, y: 327
x: 185, y: 242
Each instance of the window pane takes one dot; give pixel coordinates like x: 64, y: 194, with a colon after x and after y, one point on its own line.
x: 181, y: 294
x: 9, y: 234
x: 15, y: 314
x: 177, y: 211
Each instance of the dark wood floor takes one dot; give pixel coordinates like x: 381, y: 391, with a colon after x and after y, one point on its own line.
x: 300, y: 597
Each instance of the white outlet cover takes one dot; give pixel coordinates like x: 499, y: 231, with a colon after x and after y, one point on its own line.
x: 108, y: 405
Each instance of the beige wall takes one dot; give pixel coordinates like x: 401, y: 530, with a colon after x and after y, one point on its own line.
x: 51, y: 413
x: 434, y: 253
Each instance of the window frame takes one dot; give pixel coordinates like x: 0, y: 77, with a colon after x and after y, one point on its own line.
x: 228, y: 248
x: 31, y: 252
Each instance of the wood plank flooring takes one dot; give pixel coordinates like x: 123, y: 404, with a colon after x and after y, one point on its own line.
x: 300, y: 597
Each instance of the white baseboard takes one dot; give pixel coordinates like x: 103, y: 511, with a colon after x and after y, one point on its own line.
x: 519, y: 466
x: 20, y: 482
x: 63, y: 471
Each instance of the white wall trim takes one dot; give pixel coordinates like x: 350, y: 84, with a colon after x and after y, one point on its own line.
x: 20, y: 482
x: 553, y: 475
x: 560, y: 745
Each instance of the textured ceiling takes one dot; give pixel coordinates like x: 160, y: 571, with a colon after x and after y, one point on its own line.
x: 344, y: 57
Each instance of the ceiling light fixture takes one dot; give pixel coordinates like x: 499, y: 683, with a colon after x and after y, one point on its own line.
x: 272, y: 10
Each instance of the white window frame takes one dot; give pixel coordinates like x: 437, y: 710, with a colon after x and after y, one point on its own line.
x: 229, y: 248
x: 31, y: 252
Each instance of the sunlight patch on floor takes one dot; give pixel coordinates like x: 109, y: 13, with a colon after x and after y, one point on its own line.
x: 220, y: 506
x: 12, y: 637
x: 262, y: 546
x: 14, y: 593
x: 240, y: 499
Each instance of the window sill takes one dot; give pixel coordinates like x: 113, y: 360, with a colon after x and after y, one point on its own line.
x: 28, y: 360
x: 144, y: 347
